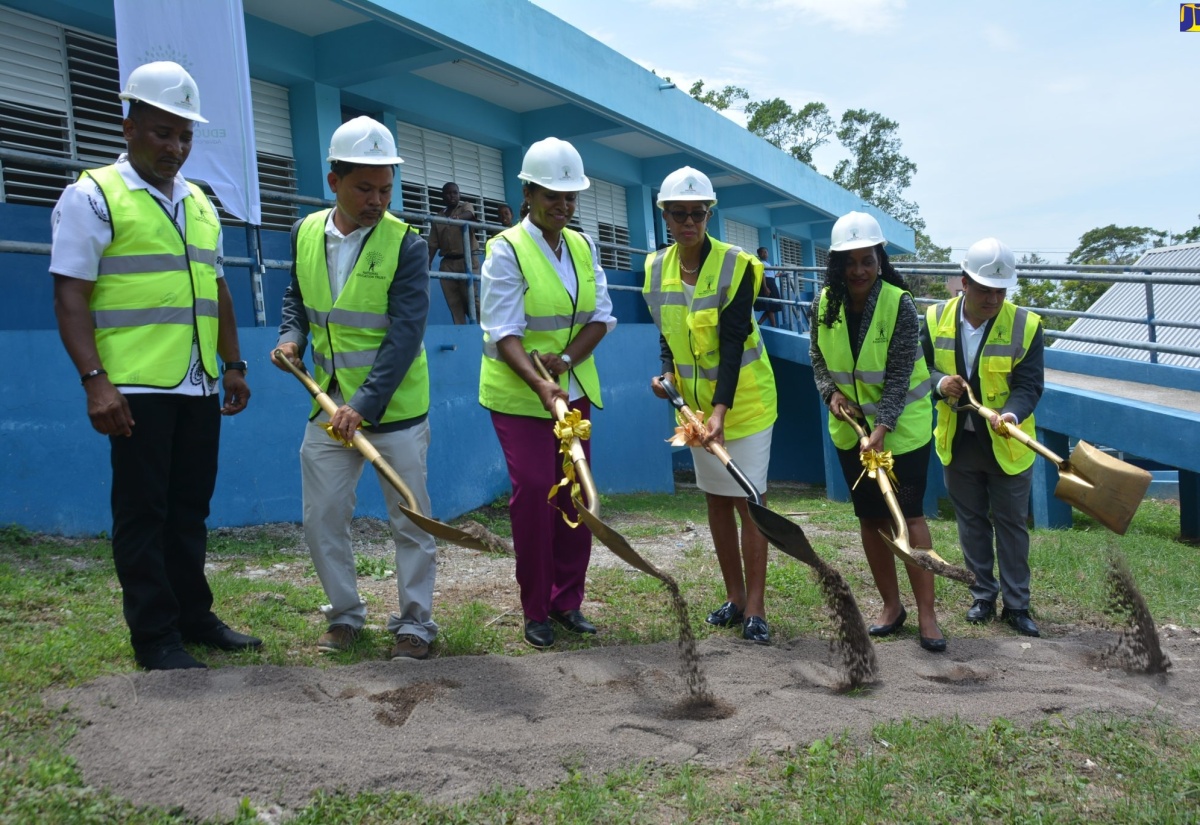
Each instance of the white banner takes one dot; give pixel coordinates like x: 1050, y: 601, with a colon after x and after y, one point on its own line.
x: 208, y: 38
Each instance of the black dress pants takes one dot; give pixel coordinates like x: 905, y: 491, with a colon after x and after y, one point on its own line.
x: 163, y: 478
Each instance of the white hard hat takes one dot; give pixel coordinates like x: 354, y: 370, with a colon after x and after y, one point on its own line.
x: 991, y: 263
x: 855, y: 230
x: 554, y: 164
x: 167, y: 86
x: 363, y: 140
x: 686, y: 184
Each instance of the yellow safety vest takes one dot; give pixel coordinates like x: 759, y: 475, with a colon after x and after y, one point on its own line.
x: 552, y: 320
x: 861, y: 381
x: 1007, y: 342
x: 155, y: 292
x: 694, y: 333
x: 348, y: 332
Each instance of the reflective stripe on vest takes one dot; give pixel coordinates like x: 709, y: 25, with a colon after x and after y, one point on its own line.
x: 155, y: 292
x: 347, y: 333
x: 552, y: 321
x: 861, y: 380
x: 1006, y: 345
x: 694, y: 334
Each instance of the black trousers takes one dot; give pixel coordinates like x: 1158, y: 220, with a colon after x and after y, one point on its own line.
x: 163, y: 478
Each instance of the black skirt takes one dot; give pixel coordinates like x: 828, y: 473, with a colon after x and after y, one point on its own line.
x: 911, y: 470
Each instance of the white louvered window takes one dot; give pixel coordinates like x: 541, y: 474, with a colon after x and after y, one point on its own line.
x: 822, y: 256
x: 273, y: 146
x: 600, y: 212
x: 791, y: 252
x: 35, y: 115
x: 58, y: 96
x: 740, y: 234
x: 433, y: 159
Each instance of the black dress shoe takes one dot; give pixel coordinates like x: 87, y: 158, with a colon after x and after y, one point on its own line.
x: 933, y: 645
x: 223, y: 637
x: 981, y: 611
x: 168, y: 657
x: 727, y: 615
x: 573, y: 621
x: 755, y: 630
x: 1020, y: 621
x: 539, y: 634
x: 889, y: 629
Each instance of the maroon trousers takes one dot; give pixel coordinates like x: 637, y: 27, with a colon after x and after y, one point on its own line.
x: 552, y: 557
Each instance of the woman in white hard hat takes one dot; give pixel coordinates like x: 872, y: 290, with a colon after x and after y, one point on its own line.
x: 542, y: 289
x: 866, y: 360
x: 701, y: 294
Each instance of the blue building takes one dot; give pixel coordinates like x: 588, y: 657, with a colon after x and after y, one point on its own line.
x: 467, y: 86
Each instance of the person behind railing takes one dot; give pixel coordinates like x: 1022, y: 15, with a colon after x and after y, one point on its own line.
x: 448, y: 240
x: 981, y: 340
x: 143, y: 310
x: 504, y: 214
x: 701, y: 296
x: 865, y: 354
x: 769, y: 290
x: 543, y: 291
x: 360, y: 288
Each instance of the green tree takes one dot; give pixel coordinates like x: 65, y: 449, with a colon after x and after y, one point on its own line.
x: 876, y: 170
x: 799, y: 133
x: 719, y: 100
x: 1190, y: 236
x: 1114, y: 244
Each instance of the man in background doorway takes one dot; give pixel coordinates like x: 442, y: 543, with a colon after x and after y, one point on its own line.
x: 448, y: 240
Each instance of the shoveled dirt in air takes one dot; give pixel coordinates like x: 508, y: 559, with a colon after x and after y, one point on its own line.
x: 452, y: 728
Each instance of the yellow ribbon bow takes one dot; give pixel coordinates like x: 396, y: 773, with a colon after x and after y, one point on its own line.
x: 873, y: 461
x: 573, y: 426
x: 335, y: 435
x: 689, y: 434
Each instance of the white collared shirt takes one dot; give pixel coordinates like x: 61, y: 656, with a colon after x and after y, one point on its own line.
x: 75, y: 252
x: 502, y: 289
x: 341, y: 251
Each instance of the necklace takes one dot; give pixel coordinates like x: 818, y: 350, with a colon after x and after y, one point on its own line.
x: 687, y: 271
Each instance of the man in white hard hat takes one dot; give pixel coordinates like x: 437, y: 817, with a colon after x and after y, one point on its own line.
x: 360, y: 289
x: 982, y: 340
x: 144, y: 311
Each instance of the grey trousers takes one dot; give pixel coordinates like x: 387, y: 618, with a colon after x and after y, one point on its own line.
x: 330, y: 473
x: 976, y: 483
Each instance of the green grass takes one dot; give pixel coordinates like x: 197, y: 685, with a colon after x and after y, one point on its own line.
x: 61, y: 625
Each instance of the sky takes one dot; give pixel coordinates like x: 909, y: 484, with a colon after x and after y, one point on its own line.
x: 1030, y: 121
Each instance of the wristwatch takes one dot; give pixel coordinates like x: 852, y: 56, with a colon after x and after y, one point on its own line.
x: 566, y: 359
x: 235, y: 365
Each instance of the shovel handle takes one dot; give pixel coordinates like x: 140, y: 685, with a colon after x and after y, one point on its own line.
x: 885, y: 483
x: 713, y: 447
x: 577, y: 456
x: 1006, y: 429
x: 360, y: 441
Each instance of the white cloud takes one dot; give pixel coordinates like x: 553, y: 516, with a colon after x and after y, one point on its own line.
x: 999, y: 38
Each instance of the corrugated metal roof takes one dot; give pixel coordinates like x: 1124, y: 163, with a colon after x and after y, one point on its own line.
x: 1172, y: 302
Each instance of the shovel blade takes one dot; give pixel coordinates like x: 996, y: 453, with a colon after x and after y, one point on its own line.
x: 784, y: 534
x: 615, y: 542
x: 1106, y: 488
x: 443, y: 531
x: 926, y: 559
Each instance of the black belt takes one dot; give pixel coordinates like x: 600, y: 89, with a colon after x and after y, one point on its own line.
x: 458, y: 256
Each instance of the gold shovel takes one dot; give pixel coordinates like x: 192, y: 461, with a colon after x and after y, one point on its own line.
x: 925, y: 558
x: 1106, y: 488
x: 484, y: 541
x: 590, y: 514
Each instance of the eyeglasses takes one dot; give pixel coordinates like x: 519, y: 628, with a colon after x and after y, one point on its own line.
x: 680, y: 216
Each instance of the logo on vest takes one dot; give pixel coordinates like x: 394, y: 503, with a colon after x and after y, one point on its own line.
x: 1001, y: 335
x: 203, y: 215
x: 881, y: 336
x: 372, y: 260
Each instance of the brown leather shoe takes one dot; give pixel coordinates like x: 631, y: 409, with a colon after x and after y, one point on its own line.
x: 409, y: 646
x: 337, y: 638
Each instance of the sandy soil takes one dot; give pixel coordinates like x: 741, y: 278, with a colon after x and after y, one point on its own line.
x: 450, y: 728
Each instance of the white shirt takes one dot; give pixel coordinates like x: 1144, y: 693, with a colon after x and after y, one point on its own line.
x: 82, y: 215
x: 341, y: 251
x: 502, y: 289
